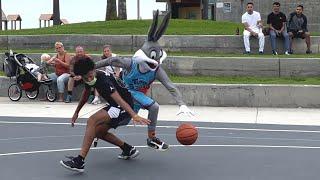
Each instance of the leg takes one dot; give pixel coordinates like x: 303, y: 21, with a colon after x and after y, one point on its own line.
x: 286, y: 41
x: 261, y: 42
x: 70, y: 88
x: 77, y: 163
x: 246, y: 37
x: 153, y: 116
x: 273, y: 38
x: 61, y: 81
x: 308, y: 41
x: 291, y: 36
x: 141, y: 100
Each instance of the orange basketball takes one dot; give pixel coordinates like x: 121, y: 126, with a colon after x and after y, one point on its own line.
x: 187, y: 134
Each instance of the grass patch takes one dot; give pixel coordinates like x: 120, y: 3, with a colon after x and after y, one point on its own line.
x: 136, y: 27
x: 246, y: 80
x: 241, y: 80
x: 197, y: 54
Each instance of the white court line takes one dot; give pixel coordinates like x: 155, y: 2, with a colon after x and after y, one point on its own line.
x: 37, y: 137
x: 210, y: 145
x: 205, y: 128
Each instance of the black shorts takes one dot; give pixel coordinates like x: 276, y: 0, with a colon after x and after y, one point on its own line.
x: 297, y: 34
x: 118, y: 116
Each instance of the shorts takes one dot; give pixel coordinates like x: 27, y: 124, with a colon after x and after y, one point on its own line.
x: 140, y: 100
x: 297, y: 34
x: 119, y: 117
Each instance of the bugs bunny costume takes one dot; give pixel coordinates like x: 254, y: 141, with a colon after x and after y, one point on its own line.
x: 139, y: 73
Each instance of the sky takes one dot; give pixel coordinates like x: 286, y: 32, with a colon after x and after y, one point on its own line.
x: 74, y: 10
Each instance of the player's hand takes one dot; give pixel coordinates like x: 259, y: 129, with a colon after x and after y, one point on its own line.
x: 185, y: 110
x: 74, y: 118
x: 140, y: 120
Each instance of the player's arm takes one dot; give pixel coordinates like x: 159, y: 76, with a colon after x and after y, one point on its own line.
x: 120, y: 62
x: 135, y: 117
x: 164, y: 79
x: 82, y: 102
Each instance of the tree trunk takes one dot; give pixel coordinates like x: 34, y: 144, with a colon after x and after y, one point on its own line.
x: 0, y: 16
x: 122, y: 9
x: 56, y: 12
x: 111, y: 13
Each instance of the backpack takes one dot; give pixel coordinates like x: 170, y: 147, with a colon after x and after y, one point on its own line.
x: 9, y: 66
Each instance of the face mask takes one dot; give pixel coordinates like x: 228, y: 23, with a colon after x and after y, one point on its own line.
x: 91, y: 83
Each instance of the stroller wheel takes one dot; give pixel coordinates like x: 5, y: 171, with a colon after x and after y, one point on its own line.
x: 51, y: 95
x: 14, y: 92
x: 32, y: 94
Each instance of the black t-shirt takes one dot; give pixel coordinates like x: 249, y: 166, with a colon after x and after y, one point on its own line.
x: 276, y: 20
x: 106, y: 85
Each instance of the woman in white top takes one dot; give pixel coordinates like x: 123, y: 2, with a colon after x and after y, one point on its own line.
x: 115, y: 71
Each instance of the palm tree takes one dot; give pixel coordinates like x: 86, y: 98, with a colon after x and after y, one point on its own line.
x: 111, y: 13
x: 56, y: 12
x: 122, y: 9
x: 0, y: 16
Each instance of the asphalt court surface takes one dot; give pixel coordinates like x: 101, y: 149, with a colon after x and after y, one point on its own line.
x: 31, y: 148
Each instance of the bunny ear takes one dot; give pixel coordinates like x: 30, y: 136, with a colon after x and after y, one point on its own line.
x: 163, y: 26
x: 153, y: 27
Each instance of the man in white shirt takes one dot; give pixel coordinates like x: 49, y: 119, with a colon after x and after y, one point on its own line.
x: 252, y: 27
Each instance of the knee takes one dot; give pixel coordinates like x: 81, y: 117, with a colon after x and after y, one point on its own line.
x: 91, y: 121
x: 154, y: 107
x: 60, y: 80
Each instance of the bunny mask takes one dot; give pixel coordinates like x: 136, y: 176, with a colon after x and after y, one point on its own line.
x: 151, y: 53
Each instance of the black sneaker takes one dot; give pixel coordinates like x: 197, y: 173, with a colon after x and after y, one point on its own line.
x: 274, y: 52
x: 157, y: 144
x: 132, y: 153
x: 74, y: 164
x: 308, y: 52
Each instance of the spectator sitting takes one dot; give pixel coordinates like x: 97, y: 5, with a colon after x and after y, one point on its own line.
x: 73, y: 79
x: 61, y: 62
x: 298, y: 28
x: 44, y: 59
x: 277, y: 24
x: 115, y: 71
x: 253, y: 27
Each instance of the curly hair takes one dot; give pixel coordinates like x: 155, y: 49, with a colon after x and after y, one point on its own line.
x: 83, y: 65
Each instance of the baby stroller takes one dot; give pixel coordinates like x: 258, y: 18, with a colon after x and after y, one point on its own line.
x: 15, y: 66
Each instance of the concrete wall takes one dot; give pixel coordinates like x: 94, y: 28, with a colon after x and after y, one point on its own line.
x: 242, y: 95
x: 311, y: 10
x: 238, y: 95
x: 233, y: 66
x: 200, y: 43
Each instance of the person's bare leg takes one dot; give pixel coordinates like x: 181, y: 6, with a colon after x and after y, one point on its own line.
x: 70, y: 84
x: 90, y: 133
x: 308, y: 41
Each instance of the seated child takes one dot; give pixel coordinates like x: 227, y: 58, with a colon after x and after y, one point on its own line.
x: 40, y: 73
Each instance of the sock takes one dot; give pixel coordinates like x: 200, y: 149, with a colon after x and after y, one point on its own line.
x: 126, y: 147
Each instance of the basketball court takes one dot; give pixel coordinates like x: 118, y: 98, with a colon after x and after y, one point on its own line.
x: 31, y: 148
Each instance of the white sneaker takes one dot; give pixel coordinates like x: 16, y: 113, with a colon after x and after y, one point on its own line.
x: 96, y: 100
x: 287, y: 53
